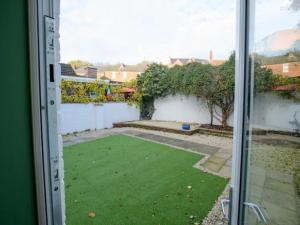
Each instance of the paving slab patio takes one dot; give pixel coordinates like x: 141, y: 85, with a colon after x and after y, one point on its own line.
x: 201, y: 148
x: 275, y: 196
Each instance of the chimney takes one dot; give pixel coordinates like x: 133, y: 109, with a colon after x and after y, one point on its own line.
x: 210, y: 55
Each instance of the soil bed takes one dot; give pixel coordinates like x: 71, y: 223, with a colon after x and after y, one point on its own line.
x: 216, y: 127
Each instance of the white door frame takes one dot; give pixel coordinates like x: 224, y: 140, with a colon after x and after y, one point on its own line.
x: 46, y: 136
x: 241, y: 121
x: 45, y: 201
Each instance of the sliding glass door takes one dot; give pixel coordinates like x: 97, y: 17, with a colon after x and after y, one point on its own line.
x: 270, y: 150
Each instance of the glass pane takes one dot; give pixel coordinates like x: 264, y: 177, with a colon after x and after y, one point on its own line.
x: 273, y: 147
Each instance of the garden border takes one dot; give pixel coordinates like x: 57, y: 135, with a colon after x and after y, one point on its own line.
x: 200, y: 130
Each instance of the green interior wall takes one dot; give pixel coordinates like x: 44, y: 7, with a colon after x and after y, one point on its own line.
x: 17, y: 189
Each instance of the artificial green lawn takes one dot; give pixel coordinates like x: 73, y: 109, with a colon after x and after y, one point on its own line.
x: 129, y: 181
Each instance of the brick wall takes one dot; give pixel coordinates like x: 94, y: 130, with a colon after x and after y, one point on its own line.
x: 292, y: 69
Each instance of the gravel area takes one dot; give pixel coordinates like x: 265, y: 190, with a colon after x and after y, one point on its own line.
x: 275, y: 157
x: 215, y: 216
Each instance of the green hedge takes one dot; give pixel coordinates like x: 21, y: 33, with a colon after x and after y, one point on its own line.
x: 213, y: 84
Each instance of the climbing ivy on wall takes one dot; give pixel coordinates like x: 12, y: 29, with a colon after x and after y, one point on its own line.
x: 79, y: 92
x: 152, y: 84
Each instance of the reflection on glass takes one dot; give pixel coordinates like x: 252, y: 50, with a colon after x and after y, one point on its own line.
x: 273, y: 165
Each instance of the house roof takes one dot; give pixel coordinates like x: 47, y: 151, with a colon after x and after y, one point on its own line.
x: 187, y: 60
x: 87, y: 71
x: 84, y: 69
x: 67, y: 70
x: 141, y: 67
x: 204, y: 61
x: 182, y: 60
x: 286, y: 62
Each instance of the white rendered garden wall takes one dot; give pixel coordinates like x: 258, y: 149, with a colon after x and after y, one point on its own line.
x: 271, y: 111
x: 80, y: 117
x: 183, y: 108
x: 274, y: 112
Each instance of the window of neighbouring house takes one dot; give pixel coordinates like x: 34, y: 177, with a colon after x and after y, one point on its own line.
x: 124, y: 75
x: 285, y: 68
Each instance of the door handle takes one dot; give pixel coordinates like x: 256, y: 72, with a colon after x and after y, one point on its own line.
x: 254, y: 207
x: 223, y: 203
x: 257, y: 211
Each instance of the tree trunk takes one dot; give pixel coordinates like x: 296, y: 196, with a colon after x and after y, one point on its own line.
x: 211, y: 115
x: 211, y: 112
x: 225, y: 116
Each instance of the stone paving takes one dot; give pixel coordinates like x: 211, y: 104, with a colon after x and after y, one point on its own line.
x: 84, y: 136
x: 272, y: 178
x: 200, y: 148
x: 276, y: 195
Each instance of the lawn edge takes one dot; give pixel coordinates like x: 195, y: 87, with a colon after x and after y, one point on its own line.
x: 197, y: 165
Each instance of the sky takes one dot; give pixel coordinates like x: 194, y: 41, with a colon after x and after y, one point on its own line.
x: 273, y: 15
x: 113, y: 31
